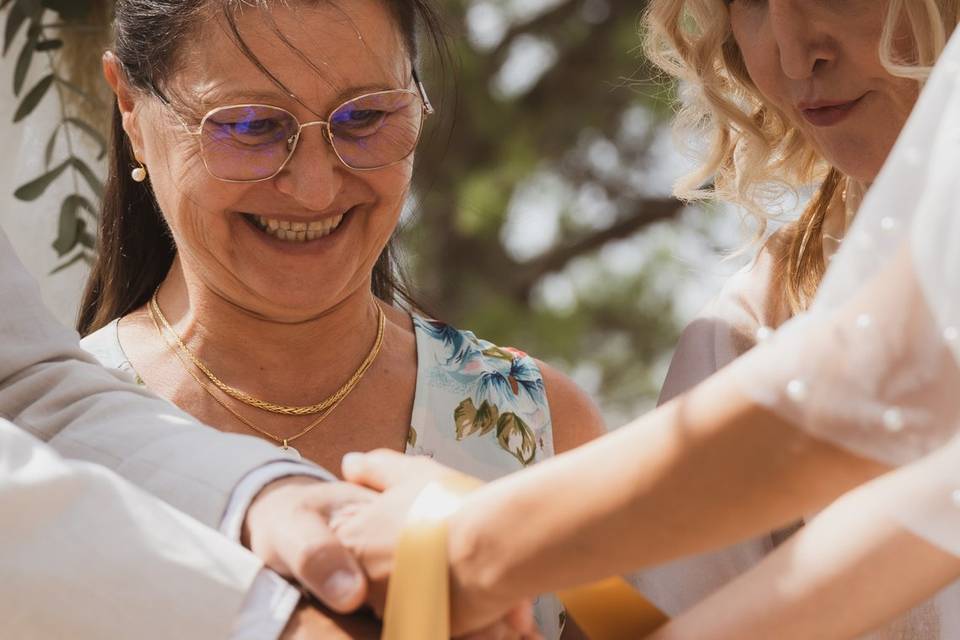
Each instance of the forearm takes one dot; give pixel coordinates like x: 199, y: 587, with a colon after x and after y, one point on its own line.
x: 52, y: 388
x: 87, y: 413
x: 854, y: 553
x: 708, y: 469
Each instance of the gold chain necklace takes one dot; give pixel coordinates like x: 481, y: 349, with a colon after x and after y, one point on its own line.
x: 247, y: 399
x: 156, y: 315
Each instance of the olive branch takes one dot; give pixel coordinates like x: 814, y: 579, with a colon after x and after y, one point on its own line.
x: 44, y: 44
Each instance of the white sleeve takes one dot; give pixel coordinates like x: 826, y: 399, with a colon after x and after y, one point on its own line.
x: 85, y: 555
x: 267, y: 609
x: 874, y: 366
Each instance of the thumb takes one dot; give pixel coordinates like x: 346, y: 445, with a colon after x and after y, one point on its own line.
x: 317, y: 560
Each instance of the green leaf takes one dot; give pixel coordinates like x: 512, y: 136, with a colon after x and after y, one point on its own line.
x: 51, y: 146
x: 463, y: 418
x: 50, y: 45
x: 35, y: 188
x: 487, y: 416
x: 80, y: 202
x: 69, y: 230
x: 24, y: 60
x: 15, y: 19
x: 499, y: 352
x: 69, y: 10
x: 33, y: 8
x: 87, y: 239
x: 96, y: 185
x: 69, y: 263
x: 80, y: 92
x: 33, y: 98
x: 92, y: 132
x: 77, y: 202
x: 516, y: 438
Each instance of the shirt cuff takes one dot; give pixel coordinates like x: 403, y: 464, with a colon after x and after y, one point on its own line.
x: 253, y: 483
x: 267, y: 608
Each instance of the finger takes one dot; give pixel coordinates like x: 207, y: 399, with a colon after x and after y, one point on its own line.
x: 498, y: 631
x: 382, y: 469
x: 342, y: 498
x: 522, y: 620
x: 315, y: 558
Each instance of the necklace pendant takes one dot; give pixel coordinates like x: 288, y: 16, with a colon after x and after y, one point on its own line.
x: 291, y: 452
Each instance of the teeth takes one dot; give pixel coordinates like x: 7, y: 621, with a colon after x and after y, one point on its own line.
x: 297, y: 231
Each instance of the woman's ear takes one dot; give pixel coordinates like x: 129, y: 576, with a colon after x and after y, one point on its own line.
x: 126, y: 101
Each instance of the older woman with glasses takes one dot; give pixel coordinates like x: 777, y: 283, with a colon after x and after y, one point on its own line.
x: 262, y: 155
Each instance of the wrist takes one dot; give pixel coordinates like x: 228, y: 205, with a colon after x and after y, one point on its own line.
x: 265, y: 503
x: 476, y: 561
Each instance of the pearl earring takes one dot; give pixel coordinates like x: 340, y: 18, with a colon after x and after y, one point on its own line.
x: 139, y: 174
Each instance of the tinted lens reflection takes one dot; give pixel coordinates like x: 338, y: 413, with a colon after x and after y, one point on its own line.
x: 378, y: 129
x: 247, y: 142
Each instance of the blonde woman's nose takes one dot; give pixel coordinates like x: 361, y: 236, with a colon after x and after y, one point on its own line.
x: 804, y: 41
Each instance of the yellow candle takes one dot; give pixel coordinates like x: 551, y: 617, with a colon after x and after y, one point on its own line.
x: 611, y: 610
x: 418, y: 599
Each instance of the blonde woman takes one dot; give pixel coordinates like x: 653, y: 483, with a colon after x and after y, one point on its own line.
x: 789, y: 95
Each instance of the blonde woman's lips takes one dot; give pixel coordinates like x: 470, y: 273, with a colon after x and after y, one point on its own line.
x: 828, y: 114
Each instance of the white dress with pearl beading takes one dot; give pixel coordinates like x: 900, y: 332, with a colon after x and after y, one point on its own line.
x: 874, y: 366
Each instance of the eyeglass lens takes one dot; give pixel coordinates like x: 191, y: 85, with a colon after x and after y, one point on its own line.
x: 253, y: 142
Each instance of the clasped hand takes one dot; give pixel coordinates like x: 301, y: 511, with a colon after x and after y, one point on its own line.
x: 337, y: 540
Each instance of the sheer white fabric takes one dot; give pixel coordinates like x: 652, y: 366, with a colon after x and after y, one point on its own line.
x: 873, y: 367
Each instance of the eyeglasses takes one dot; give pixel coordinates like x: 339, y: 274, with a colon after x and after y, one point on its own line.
x: 254, y: 142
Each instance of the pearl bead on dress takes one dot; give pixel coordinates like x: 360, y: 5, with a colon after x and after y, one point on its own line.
x: 893, y: 420
x: 797, y: 390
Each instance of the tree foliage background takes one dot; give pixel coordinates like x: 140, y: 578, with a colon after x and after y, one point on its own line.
x: 536, y: 187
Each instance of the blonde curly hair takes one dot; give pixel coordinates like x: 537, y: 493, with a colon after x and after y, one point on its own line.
x: 754, y: 155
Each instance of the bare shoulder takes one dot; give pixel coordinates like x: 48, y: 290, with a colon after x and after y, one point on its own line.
x: 575, y: 416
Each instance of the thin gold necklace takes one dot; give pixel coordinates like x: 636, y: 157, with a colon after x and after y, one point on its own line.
x: 286, y: 410
x: 284, y: 443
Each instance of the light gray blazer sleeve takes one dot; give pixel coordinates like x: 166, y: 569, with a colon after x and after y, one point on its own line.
x: 53, y: 389
x: 85, y: 555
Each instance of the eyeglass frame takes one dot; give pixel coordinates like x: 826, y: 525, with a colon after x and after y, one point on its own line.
x: 427, y: 109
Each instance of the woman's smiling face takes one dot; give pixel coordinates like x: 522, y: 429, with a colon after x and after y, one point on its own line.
x: 231, y: 236
x: 818, y: 62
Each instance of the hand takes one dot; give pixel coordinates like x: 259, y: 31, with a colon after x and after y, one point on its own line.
x: 371, y: 529
x: 503, y: 630
x: 308, y: 623
x: 287, y: 527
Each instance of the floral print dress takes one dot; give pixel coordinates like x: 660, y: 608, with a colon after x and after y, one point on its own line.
x: 479, y: 408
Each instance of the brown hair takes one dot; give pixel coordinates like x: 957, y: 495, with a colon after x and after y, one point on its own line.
x: 135, y: 248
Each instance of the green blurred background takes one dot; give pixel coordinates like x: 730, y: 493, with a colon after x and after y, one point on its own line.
x: 542, y: 215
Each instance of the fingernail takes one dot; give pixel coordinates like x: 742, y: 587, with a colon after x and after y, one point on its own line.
x: 351, y: 462
x: 341, y: 588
